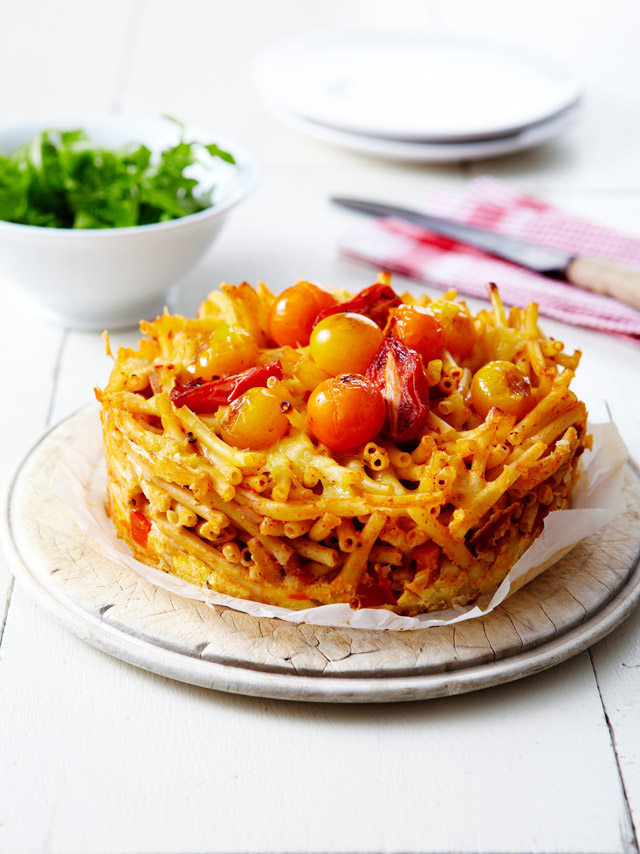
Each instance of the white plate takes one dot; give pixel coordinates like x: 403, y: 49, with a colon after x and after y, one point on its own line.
x: 414, y: 87
x: 433, y: 152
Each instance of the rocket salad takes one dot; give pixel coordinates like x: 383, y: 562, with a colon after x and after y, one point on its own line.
x: 62, y: 179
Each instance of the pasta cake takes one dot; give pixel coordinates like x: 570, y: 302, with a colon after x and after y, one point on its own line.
x: 315, y: 447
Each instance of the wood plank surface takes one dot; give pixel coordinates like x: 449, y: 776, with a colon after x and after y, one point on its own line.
x: 62, y: 57
x: 97, y: 756
x: 600, y: 152
x: 35, y: 73
x: 194, y: 770
x: 616, y: 662
x: 27, y: 384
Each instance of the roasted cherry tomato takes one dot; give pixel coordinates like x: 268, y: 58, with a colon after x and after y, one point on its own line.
x: 397, y: 371
x: 206, y: 397
x: 457, y: 324
x: 345, y: 412
x: 374, y: 592
x: 374, y: 302
x: 255, y: 420
x: 140, y: 527
x: 420, y: 329
x: 345, y: 343
x: 229, y: 350
x: 292, y: 315
x: 503, y: 385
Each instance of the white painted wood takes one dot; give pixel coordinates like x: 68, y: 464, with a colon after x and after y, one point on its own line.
x: 84, y: 364
x: 601, y: 151
x: 213, y: 45
x: 140, y: 763
x: 617, y: 666
x: 29, y: 351
x: 61, y: 56
x: 97, y: 756
x: 46, y: 51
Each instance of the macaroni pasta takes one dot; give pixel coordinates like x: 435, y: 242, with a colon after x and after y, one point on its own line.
x: 411, y: 523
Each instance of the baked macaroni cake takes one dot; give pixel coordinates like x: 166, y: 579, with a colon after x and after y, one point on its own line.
x: 311, y: 448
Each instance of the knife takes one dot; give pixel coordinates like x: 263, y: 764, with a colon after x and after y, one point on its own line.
x: 594, y: 274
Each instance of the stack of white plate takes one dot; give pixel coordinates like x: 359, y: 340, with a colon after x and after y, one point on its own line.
x: 417, y: 97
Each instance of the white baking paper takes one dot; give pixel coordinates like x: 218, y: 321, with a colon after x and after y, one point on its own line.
x: 80, y: 481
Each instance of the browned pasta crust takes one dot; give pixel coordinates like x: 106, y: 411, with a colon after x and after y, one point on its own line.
x: 429, y: 525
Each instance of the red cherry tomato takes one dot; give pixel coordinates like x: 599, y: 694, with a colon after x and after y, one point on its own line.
x: 293, y: 313
x: 420, y: 329
x: 140, y: 527
x: 207, y: 397
x: 345, y: 412
x: 375, y: 592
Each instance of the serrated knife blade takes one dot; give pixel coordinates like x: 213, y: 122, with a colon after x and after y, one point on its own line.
x: 595, y: 274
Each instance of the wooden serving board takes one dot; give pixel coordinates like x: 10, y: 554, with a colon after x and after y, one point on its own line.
x: 560, y: 613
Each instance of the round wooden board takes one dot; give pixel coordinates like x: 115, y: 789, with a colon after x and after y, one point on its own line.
x: 563, y: 611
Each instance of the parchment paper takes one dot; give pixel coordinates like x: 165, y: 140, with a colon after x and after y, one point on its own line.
x: 80, y: 481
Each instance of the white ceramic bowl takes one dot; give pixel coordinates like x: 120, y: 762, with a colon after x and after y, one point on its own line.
x: 111, y: 278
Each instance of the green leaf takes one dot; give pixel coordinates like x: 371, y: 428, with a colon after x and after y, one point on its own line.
x: 14, y: 188
x: 214, y: 151
x: 61, y: 179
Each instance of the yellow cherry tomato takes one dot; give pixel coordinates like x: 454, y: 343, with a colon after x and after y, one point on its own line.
x: 229, y: 350
x: 457, y: 325
x: 345, y: 343
x: 503, y: 385
x: 255, y: 420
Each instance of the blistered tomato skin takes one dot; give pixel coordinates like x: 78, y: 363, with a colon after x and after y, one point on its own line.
x: 345, y: 343
x: 503, y: 385
x: 457, y: 325
x: 420, y: 329
x: 345, y: 412
x: 229, y: 350
x: 292, y: 315
x: 256, y: 420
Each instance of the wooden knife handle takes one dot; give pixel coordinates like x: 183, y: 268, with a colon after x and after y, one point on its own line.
x: 605, y: 277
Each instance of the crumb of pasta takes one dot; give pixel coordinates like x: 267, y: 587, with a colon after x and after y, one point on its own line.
x: 381, y: 450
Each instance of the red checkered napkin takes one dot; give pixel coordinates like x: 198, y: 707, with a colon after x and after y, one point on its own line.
x: 401, y: 247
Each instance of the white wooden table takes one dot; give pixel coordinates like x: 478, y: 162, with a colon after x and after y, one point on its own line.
x: 97, y: 756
